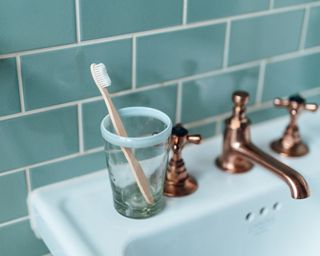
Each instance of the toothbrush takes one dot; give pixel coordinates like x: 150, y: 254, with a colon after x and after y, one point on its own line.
x: 102, y: 80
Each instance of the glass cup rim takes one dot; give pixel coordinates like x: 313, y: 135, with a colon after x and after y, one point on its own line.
x: 137, y: 142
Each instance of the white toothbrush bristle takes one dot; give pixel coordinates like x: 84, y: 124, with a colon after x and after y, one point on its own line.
x: 100, y: 75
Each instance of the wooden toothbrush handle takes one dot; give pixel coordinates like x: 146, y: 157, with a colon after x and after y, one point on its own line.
x: 115, y: 118
x: 139, y: 175
x: 134, y: 164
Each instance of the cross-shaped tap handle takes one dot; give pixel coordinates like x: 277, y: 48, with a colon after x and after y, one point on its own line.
x: 180, y: 137
x: 295, y: 103
x: 178, y: 182
x: 291, y: 144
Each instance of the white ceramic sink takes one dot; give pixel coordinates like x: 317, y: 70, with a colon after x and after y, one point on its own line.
x: 248, y: 214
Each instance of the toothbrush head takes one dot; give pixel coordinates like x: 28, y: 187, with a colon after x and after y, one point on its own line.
x: 100, y: 75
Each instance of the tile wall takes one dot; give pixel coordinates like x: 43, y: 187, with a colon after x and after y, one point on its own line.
x: 184, y: 57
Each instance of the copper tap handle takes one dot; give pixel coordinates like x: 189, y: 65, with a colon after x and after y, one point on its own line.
x: 311, y: 107
x: 178, y: 182
x: 195, y: 139
x: 295, y: 102
x: 278, y: 102
x: 180, y: 137
x: 291, y: 144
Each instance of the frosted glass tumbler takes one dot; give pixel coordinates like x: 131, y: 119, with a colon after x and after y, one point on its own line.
x: 148, y: 137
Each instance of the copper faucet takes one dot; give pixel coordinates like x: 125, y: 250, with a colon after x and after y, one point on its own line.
x: 178, y: 181
x: 291, y: 144
x: 239, y: 153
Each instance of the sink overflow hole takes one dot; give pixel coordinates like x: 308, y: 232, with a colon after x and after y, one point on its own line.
x: 250, y: 216
x: 276, y: 206
x: 263, y: 211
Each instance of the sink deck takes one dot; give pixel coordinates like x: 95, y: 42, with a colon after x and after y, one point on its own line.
x: 77, y: 217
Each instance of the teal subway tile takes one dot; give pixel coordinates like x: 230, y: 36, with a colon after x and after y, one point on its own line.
x: 313, y: 35
x: 176, y: 54
x: 9, y: 88
x: 281, y: 3
x: 60, y: 76
x: 38, y: 137
x: 207, y: 97
x: 50, y: 173
x: 163, y: 99
x: 314, y: 99
x: 205, y: 130
x: 199, y: 10
x: 291, y: 76
x: 13, y: 196
x: 112, y: 17
x: 18, y: 239
x: 32, y: 24
x: 263, y: 115
x: 266, y: 36
x: 93, y: 114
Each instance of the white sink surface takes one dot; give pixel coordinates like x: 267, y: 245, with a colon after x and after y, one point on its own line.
x: 77, y: 218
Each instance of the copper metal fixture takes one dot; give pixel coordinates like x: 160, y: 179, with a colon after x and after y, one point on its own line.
x: 178, y: 181
x: 239, y: 153
x: 290, y: 144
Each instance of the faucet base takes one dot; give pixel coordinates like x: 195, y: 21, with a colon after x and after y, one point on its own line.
x: 236, y: 165
x: 183, y: 188
x: 299, y: 149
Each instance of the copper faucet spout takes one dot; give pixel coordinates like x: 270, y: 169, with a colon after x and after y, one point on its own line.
x: 239, y: 153
x: 297, y: 184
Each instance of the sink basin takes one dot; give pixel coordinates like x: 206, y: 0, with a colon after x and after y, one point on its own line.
x: 229, y: 215
x: 266, y: 225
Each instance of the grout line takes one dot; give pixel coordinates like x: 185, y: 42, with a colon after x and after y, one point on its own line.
x: 164, y: 30
x: 78, y: 27
x: 226, y: 44
x: 142, y: 89
x: 7, y: 223
x: 19, y: 75
x: 208, y: 120
x: 304, y: 28
x: 52, y: 161
x: 212, y: 73
x: 11, y: 172
x: 179, y: 103
x: 278, y: 58
x: 271, y: 4
x: 53, y: 107
x: 292, y: 55
x: 220, y: 117
x: 218, y: 127
x: 58, y: 159
x: 185, y: 12
x: 260, y: 85
x: 93, y: 150
x: 260, y: 106
x: 67, y: 46
x: 250, y: 109
x: 311, y: 92
x: 198, y: 123
x: 125, y: 92
x: 134, y: 62
x: 80, y: 128
x: 28, y: 179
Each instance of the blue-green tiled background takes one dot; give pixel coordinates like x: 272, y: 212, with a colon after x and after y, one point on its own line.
x: 184, y: 57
